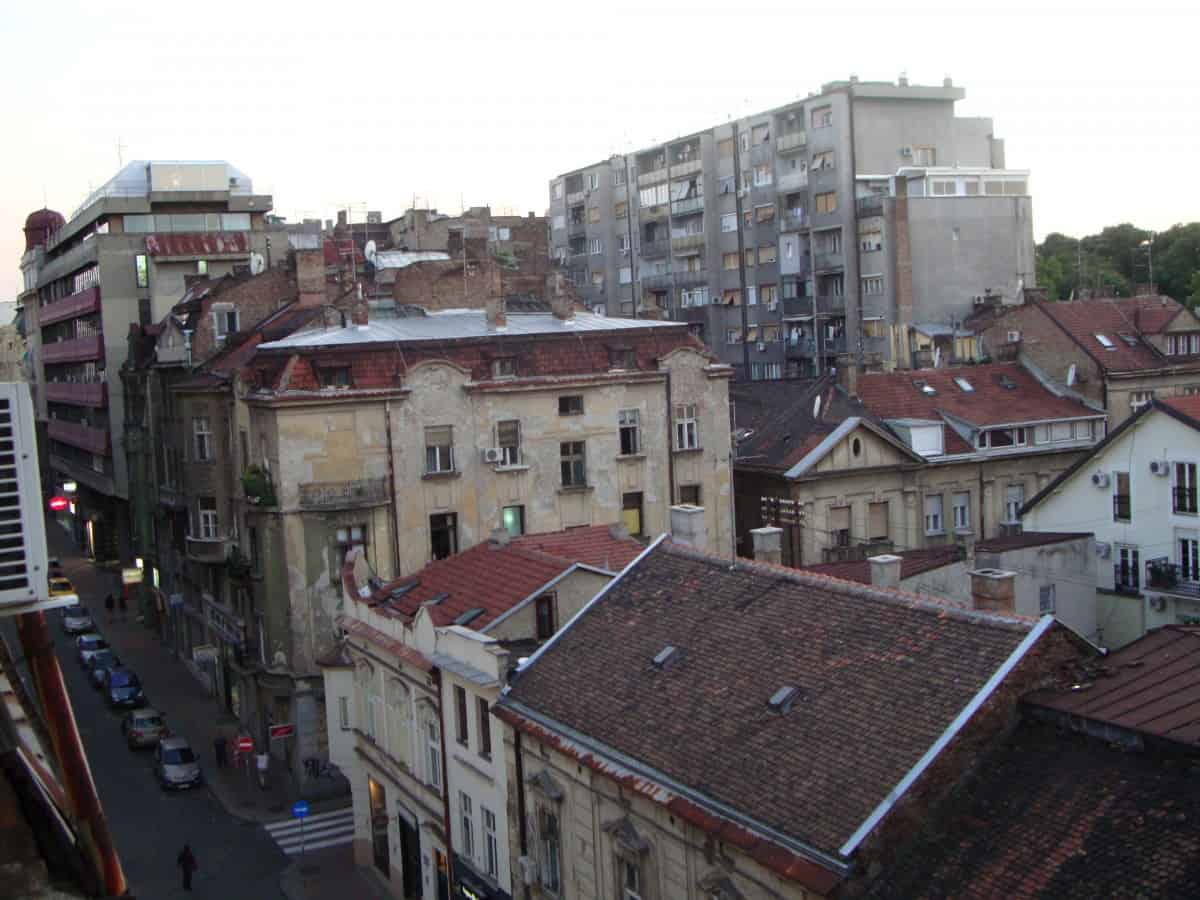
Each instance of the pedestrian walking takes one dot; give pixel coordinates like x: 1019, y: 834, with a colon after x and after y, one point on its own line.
x: 220, y: 744
x: 186, y: 861
x: 121, y: 605
x: 108, y: 607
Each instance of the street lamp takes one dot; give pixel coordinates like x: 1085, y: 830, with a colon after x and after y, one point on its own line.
x: 1149, y: 245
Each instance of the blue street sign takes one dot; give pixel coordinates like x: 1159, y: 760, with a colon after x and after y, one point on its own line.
x: 299, y: 809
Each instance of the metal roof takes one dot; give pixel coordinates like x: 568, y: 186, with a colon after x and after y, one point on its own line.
x: 459, y: 323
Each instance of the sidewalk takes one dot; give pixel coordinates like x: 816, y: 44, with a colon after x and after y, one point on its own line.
x: 184, y: 702
x: 330, y: 875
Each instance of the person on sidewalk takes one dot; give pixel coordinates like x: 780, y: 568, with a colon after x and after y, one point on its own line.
x: 121, y: 605
x: 187, y: 865
x: 220, y: 745
x: 108, y: 608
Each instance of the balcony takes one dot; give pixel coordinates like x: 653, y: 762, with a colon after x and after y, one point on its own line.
x: 691, y: 279
x: 791, y: 142
x: 689, y: 205
x: 654, y: 176
x: 76, y: 434
x: 654, y: 249
x: 70, y: 307
x: 800, y: 347
x: 1171, y: 578
x: 653, y: 213
x: 687, y: 167
x: 1125, y: 579
x: 576, y: 229
x: 826, y: 261
x: 831, y: 305
x: 791, y: 181
x: 77, y: 350
x: 575, y: 197
x: 170, y: 355
x: 344, y: 494
x: 870, y: 206
x: 78, y: 393
x: 687, y: 242
x: 214, y: 550
x: 658, y: 282
x: 793, y: 220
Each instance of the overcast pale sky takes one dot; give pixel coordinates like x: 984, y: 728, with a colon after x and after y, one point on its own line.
x: 335, y: 104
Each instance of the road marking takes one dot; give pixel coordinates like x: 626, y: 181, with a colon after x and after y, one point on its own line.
x: 329, y: 829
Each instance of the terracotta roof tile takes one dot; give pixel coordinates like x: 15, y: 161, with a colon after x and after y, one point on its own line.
x: 1188, y: 406
x: 1113, y: 317
x: 913, y: 563
x: 880, y: 675
x: 1028, y: 539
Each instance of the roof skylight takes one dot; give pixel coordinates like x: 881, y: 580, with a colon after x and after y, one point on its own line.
x: 925, y: 388
x: 666, y: 656
x: 963, y: 385
x: 781, y: 701
x: 469, y: 616
x: 1105, y: 341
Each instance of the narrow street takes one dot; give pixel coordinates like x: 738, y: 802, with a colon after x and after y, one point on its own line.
x: 236, y: 858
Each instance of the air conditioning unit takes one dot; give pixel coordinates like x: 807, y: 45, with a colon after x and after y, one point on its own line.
x: 761, y: 346
x: 1100, y: 479
x: 906, y: 151
x: 23, y: 578
x: 1160, y: 467
x: 528, y: 869
x: 493, y: 455
x: 1103, y: 549
x: 977, y: 299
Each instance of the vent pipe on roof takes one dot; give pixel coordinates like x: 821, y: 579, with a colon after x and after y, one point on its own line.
x: 885, y: 570
x: 768, y: 544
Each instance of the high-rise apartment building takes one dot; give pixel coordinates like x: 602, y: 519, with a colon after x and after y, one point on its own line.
x: 122, y: 258
x: 823, y: 229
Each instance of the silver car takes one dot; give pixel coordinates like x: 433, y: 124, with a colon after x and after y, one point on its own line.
x: 176, y: 765
x: 88, y: 646
x: 144, y: 728
x: 76, y: 620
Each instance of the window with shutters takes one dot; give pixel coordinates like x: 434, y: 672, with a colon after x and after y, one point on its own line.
x: 439, y: 449
x: 962, y: 511
x: 629, y: 423
x: 839, y: 526
x: 933, y: 515
x: 878, y: 521
x: 687, y: 435
x: 508, y: 439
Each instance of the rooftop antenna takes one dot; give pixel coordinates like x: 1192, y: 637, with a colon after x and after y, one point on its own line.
x: 121, y: 148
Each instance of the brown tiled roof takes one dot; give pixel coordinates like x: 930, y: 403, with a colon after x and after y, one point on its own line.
x: 913, y: 563
x: 1058, y: 816
x: 1151, y: 686
x: 881, y: 675
x: 1028, y: 539
x: 1112, y: 317
x: 1188, y: 406
x: 495, y: 578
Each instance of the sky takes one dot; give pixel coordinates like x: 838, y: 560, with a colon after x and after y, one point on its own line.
x: 369, y: 106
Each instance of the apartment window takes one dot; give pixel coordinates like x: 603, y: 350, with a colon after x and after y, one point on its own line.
x: 594, y: 246
x: 548, y: 840
x: 618, y: 177
x: 1122, y: 501
x: 872, y: 284
x: 202, y: 267
x: 763, y: 214
x: 826, y: 202
x: 870, y: 240
x: 961, y: 505
x: 689, y: 494
x: 512, y: 518
x: 593, y: 180
x: 333, y: 376
x: 725, y: 149
x: 1127, y: 571
x: 468, y: 825
x: 631, y: 879
x: 822, y: 160
x: 344, y: 713
x: 573, y: 463
x: 544, y: 617
x: 443, y: 535
x: 763, y: 175
x: 751, y: 300
x: 558, y: 190
x: 491, y: 848
x: 943, y: 187
x: 1189, y: 558
x: 749, y: 257
x: 439, y: 449
x: 744, y: 140
x: 559, y: 222
x: 839, y: 526
x: 484, y: 724
x: 629, y: 422
x: 822, y: 117
x: 1138, y: 399
x: 1014, y: 499
x: 620, y: 209
x: 924, y: 156
x: 461, y: 733
x: 202, y: 438
x: 570, y: 405
x: 1185, y: 488
x: 594, y: 215
x: 207, y: 509
x: 725, y: 185
x: 933, y: 514
x: 1047, y: 602
x: 687, y: 435
x: 733, y: 335
x: 767, y: 254
x: 504, y: 367
x: 508, y: 442
x: 729, y: 222
x: 877, y: 521
x: 769, y: 293
x: 142, y: 267
x: 625, y: 274
x: 729, y: 261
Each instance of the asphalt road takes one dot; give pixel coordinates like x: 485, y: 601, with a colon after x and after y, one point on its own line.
x: 149, y: 826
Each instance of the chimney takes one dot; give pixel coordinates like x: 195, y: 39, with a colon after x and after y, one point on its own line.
x: 341, y: 218
x: 360, y: 312
x: 948, y: 82
x: 562, y: 304
x: 847, y: 376
x: 993, y: 590
x: 768, y: 544
x: 494, y: 310
x: 498, y: 538
x: 687, y: 526
x: 310, y: 274
x: 885, y: 570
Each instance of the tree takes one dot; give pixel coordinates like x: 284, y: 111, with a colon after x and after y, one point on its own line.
x: 1114, y: 261
x: 1194, y: 297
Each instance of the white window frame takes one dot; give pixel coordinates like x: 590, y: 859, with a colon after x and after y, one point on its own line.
x: 466, y: 824
x: 630, y: 420
x: 433, y: 750
x: 729, y: 222
x: 344, y: 714
x: 872, y: 285
x: 1047, y: 599
x: 595, y: 247
x: 934, y: 524
x: 443, y: 457
x: 207, y: 519
x: 687, y: 429
x: 509, y: 455
x: 202, y: 438
x: 961, y: 508
x: 1014, y: 499
x: 491, y: 846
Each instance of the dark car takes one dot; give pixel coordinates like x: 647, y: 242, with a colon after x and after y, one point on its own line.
x: 99, y: 664
x: 122, y: 689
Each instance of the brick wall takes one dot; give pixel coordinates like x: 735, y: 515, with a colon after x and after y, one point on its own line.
x: 255, y: 298
x: 1047, y: 346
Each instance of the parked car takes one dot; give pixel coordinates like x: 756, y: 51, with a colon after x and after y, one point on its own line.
x: 60, y: 586
x: 99, y: 664
x: 54, y: 565
x: 76, y: 620
x: 143, y: 728
x: 176, y: 765
x: 88, y: 645
x: 122, y: 688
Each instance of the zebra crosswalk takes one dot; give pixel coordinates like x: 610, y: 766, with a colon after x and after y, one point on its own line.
x: 328, y: 829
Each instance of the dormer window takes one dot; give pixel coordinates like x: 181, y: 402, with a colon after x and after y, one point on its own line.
x: 334, y: 376
x: 622, y: 358
x: 225, y: 321
x: 504, y: 367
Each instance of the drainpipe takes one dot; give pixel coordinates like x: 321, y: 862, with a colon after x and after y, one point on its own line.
x: 521, y: 822
x: 437, y: 683
x: 670, y: 452
x: 393, y: 525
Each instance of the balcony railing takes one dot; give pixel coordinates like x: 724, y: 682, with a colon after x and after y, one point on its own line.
x: 791, y: 181
x: 344, y: 494
x: 76, y: 434
x: 825, y: 260
x: 77, y: 350
x: 1171, y: 578
x: 1125, y: 579
x: 70, y: 307
x: 687, y: 167
x: 209, y: 550
x: 831, y: 304
x: 574, y: 229
x: 78, y: 393
x: 653, y: 213
x: 870, y: 206
x: 654, y: 249
x: 575, y: 197
x: 793, y: 221
x: 791, y: 142
x: 654, y: 176
x: 687, y: 242
x: 691, y: 279
x: 685, y: 206
x: 1121, y: 508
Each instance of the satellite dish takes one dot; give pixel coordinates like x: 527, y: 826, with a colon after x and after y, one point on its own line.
x: 369, y: 252
x: 257, y: 264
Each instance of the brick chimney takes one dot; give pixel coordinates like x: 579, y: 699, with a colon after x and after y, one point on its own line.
x: 341, y: 218
x: 768, y: 544
x: 885, y: 570
x: 310, y: 275
x: 494, y: 310
x: 687, y: 526
x: 993, y: 590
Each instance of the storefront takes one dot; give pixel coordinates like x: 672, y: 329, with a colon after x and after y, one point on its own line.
x: 471, y: 885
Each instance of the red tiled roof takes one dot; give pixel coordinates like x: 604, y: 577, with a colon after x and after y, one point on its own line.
x: 1188, y: 405
x: 881, y: 676
x: 913, y: 563
x: 1057, y: 816
x: 1084, y: 319
x: 495, y: 578
x: 1151, y: 686
x: 1028, y: 539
